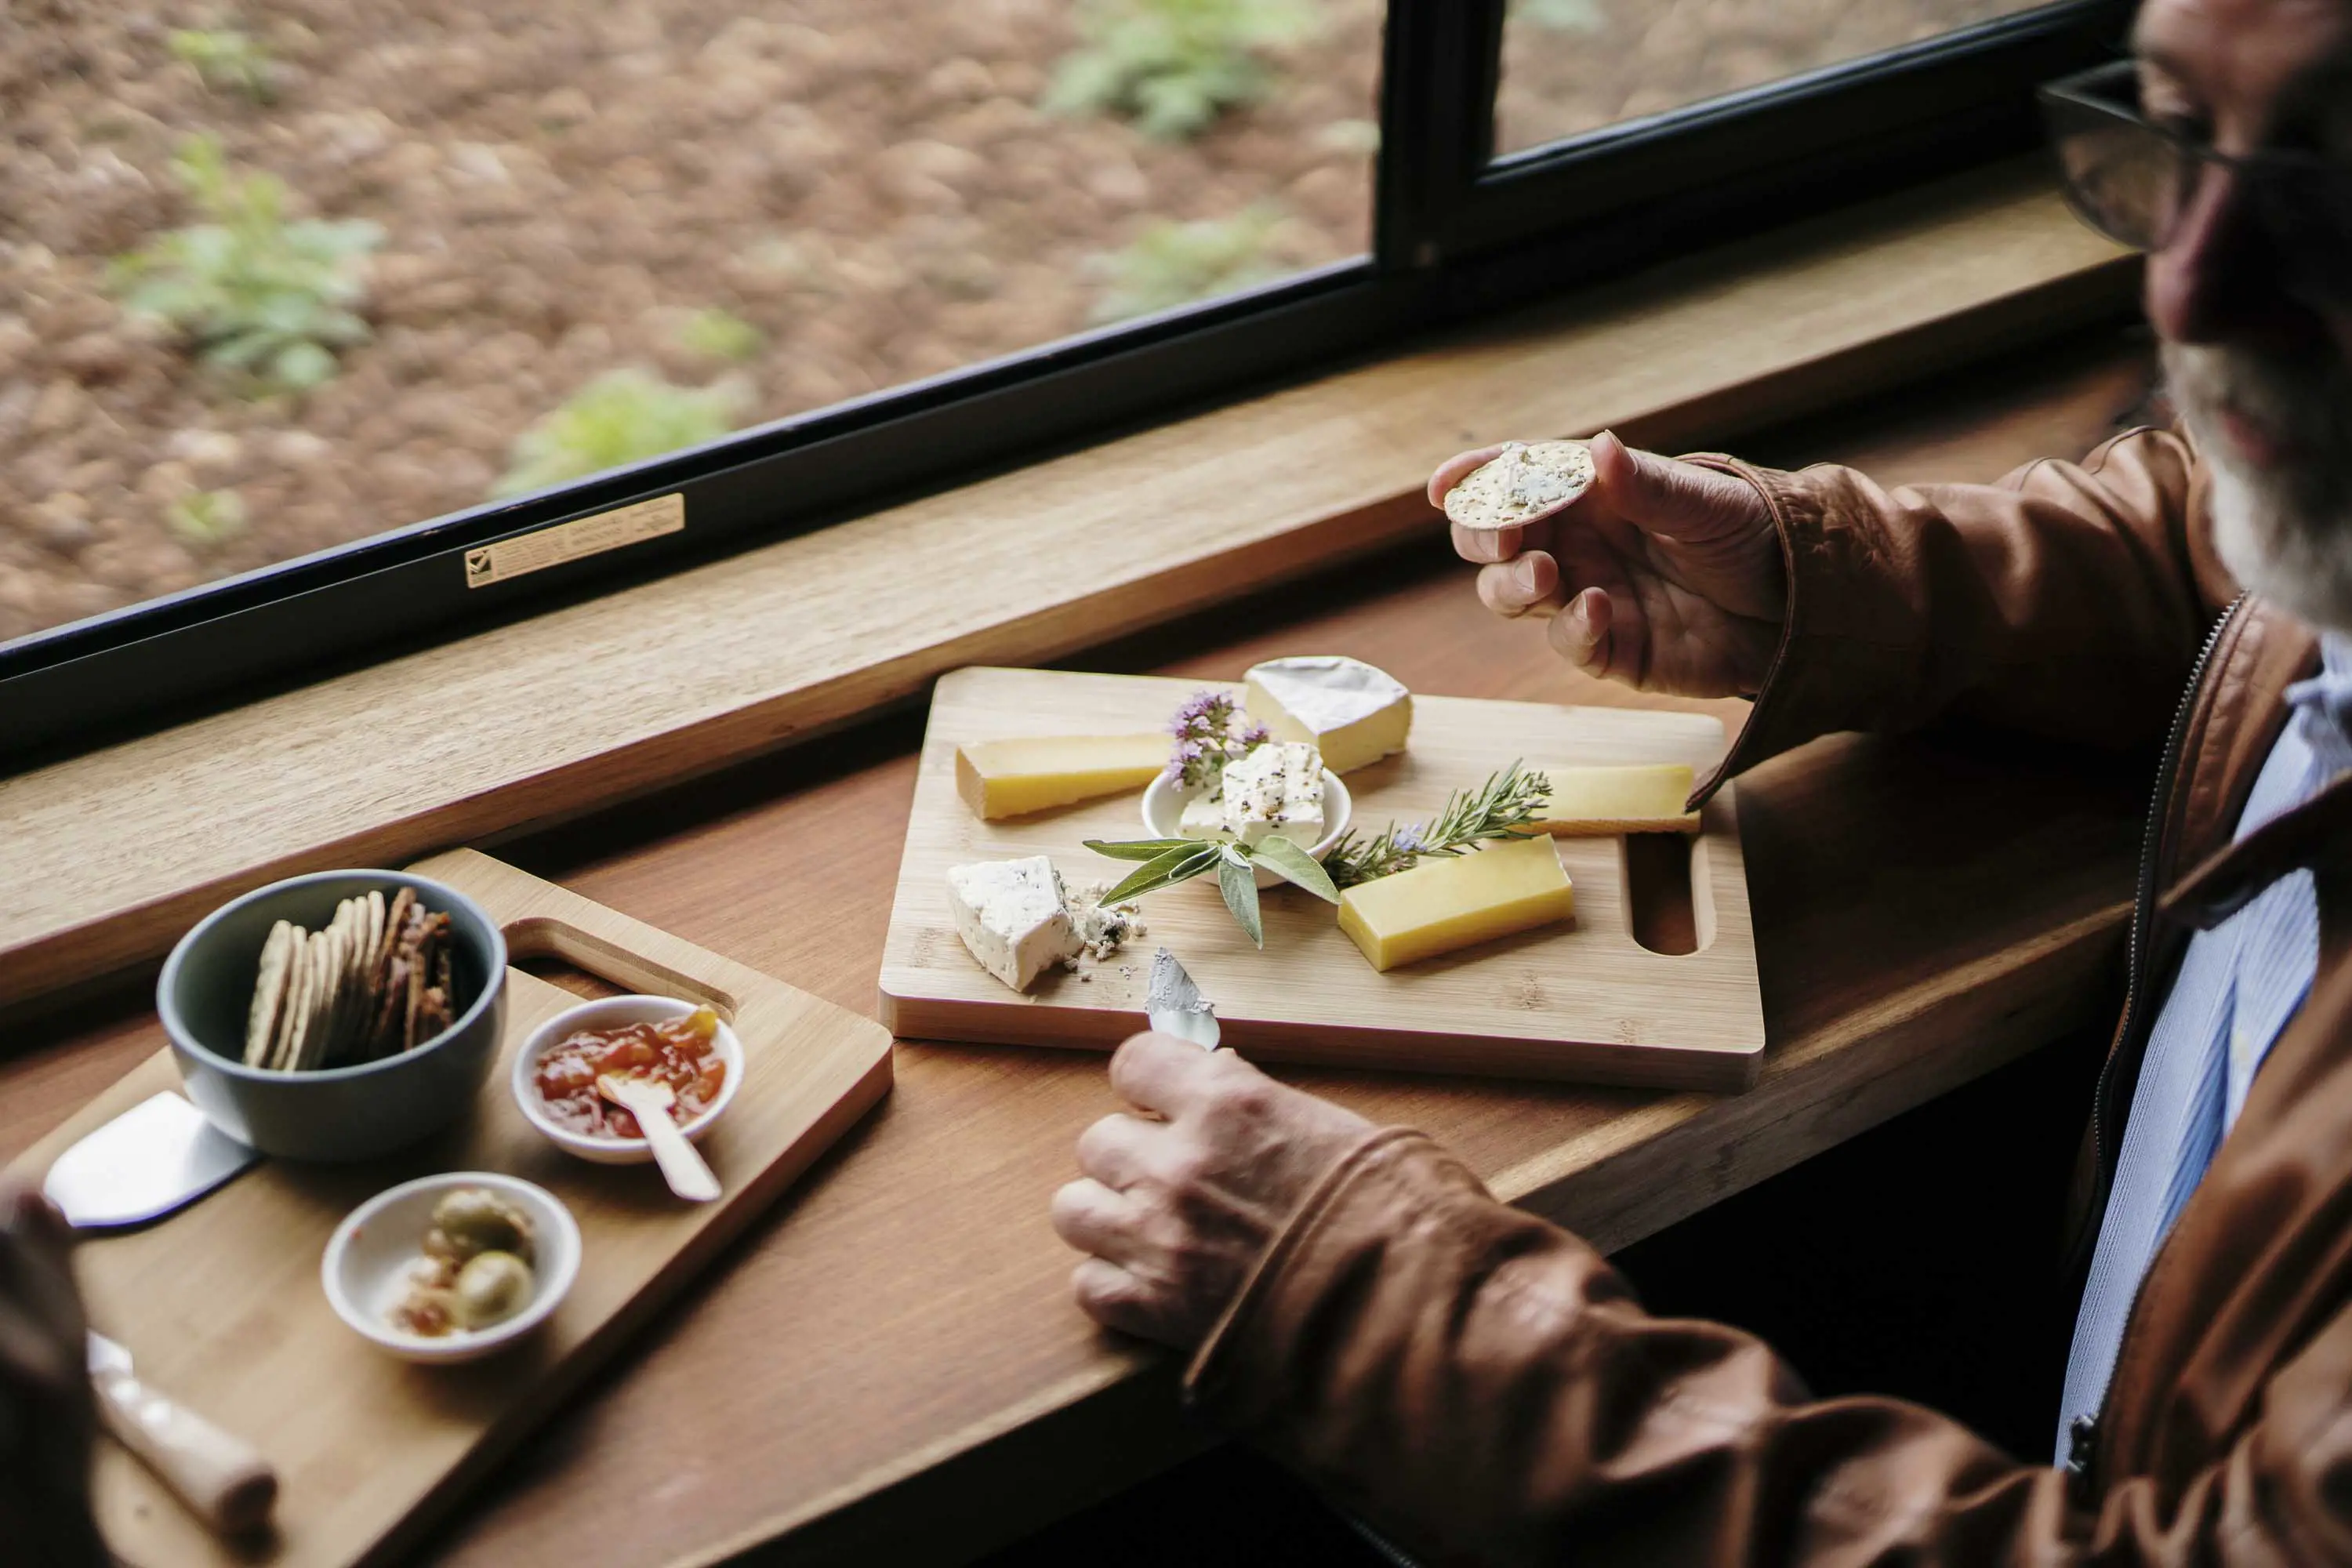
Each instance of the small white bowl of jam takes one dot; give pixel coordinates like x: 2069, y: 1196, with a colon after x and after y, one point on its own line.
x: 685, y: 1044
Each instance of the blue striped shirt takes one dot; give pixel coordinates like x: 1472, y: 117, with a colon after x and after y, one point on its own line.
x: 2239, y: 985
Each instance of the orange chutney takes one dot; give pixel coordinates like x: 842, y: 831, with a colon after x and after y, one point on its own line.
x: 680, y: 1052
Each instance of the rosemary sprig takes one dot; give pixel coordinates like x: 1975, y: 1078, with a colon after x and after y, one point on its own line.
x: 1499, y: 808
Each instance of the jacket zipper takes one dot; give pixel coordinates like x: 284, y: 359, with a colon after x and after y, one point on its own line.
x: 2134, y: 992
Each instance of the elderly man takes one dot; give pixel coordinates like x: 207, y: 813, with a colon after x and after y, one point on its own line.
x: 1480, y: 1381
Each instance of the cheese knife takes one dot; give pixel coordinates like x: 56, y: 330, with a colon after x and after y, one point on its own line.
x: 223, y: 1479
x: 157, y: 1156
x: 1174, y: 1005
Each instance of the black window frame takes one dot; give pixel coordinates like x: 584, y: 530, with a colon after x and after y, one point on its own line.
x: 1456, y: 232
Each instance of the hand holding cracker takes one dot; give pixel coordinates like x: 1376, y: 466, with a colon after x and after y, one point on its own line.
x: 1660, y: 574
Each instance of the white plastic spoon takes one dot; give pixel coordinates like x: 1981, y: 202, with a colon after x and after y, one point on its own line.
x: 649, y: 1101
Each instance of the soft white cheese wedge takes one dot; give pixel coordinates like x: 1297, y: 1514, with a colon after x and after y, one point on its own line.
x: 1347, y: 711
x: 1015, y: 916
x: 1205, y: 818
x: 1277, y: 788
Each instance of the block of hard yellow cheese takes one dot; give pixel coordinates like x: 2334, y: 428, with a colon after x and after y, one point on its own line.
x: 1011, y: 778
x: 1646, y: 798
x: 1441, y: 905
x: 1351, y: 712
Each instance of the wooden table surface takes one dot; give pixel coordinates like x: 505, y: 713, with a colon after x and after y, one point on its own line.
x: 891, y: 1360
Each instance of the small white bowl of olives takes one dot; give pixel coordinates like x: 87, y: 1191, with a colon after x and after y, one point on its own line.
x: 453, y: 1266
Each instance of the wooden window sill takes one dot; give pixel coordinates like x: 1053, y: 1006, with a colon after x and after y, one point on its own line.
x: 108, y: 856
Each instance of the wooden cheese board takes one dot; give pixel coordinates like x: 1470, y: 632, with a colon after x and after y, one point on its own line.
x: 222, y: 1305
x: 1583, y: 1002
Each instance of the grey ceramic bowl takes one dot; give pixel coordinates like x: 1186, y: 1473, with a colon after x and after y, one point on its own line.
x: 334, y: 1113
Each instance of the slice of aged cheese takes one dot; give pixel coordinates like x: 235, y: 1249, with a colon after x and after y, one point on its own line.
x: 1646, y: 798
x: 1524, y: 484
x: 1015, y: 916
x: 1442, y: 905
x: 1347, y: 711
x: 1011, y: 778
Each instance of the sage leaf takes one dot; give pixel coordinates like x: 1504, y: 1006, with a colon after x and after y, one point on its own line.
x: 1139, y: 848
x: 1238, y: 882
x: 1163, y: 871
x: 1292, y: 864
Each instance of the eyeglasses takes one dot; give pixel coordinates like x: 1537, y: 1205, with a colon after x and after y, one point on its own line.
x: 2133, y: 180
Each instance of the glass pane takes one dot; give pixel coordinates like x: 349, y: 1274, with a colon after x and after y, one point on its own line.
x: 276, y: 279
x: 1574, y: 66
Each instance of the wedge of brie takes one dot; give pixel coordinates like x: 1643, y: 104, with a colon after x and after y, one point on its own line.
x: 1348, y: 711
x: 1015, y: 916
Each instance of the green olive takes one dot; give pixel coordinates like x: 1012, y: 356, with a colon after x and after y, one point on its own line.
x: 474, y: 1220
x: 490, y: 1289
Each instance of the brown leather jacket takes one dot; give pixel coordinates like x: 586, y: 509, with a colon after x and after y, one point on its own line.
x: 1483, y: 1384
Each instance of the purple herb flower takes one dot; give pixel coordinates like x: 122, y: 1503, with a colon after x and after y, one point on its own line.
x: 1407, y: 838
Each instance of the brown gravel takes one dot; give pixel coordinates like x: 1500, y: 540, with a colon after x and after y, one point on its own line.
x: 869, y: 183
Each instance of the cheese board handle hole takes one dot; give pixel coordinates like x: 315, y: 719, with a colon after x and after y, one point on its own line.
x: 565, y: 975
x: 542, y: 937
x: 1668, y: 904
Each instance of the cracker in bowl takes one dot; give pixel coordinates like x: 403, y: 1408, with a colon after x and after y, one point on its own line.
x: 1526, y: 483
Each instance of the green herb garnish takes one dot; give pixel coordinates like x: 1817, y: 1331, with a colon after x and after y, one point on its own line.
x: 1168, y: 861
x: 1499, y: 808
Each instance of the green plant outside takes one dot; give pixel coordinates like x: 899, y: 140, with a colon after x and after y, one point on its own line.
x: 207, y: 518
x: 720, y: 334
x: 1173, y: 263
x: 1173, y: 66
x: 227, y: 60
x: 623, y: 416
x: 263, y: 301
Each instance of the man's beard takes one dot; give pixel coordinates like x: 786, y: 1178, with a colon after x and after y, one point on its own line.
x: 2285, y: 532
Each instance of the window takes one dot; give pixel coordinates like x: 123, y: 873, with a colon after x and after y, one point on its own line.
x: 318, y: 330
x: 1575, y: 66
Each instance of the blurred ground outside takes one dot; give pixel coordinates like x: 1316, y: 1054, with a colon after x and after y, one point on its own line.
x: 578, y: 230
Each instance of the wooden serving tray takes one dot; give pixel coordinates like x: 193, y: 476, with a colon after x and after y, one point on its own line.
x: 221, y: 1306
x: 1582, y: 1002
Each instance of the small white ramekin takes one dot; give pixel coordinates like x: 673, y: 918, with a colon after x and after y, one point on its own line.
x: 613, y: 1011
x: 367, y: 1266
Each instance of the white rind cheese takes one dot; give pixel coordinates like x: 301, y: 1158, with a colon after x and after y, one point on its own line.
x: 1014, y: 917
x: 1348, y: 711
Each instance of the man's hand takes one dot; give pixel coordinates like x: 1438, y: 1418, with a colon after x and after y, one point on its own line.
x: 47, y: 1414
x: 1663, y: 575
x: 1173, y: 1213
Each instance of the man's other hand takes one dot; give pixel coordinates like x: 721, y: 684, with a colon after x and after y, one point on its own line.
x: 47, y: 1416
x: 1665, y: 575
x: 1172, y: 1213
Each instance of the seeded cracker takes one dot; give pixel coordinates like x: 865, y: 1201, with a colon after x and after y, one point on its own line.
x: 268, y: 994
x: 388, y: 992
x: 314, y: 987
x: 322, y: 1037
x: 351, y: 916
x: 337, y: 964
x: 1525, y: 484
x: 297, y: 998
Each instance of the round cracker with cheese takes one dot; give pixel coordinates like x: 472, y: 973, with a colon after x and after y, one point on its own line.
x: 1524, y: 483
